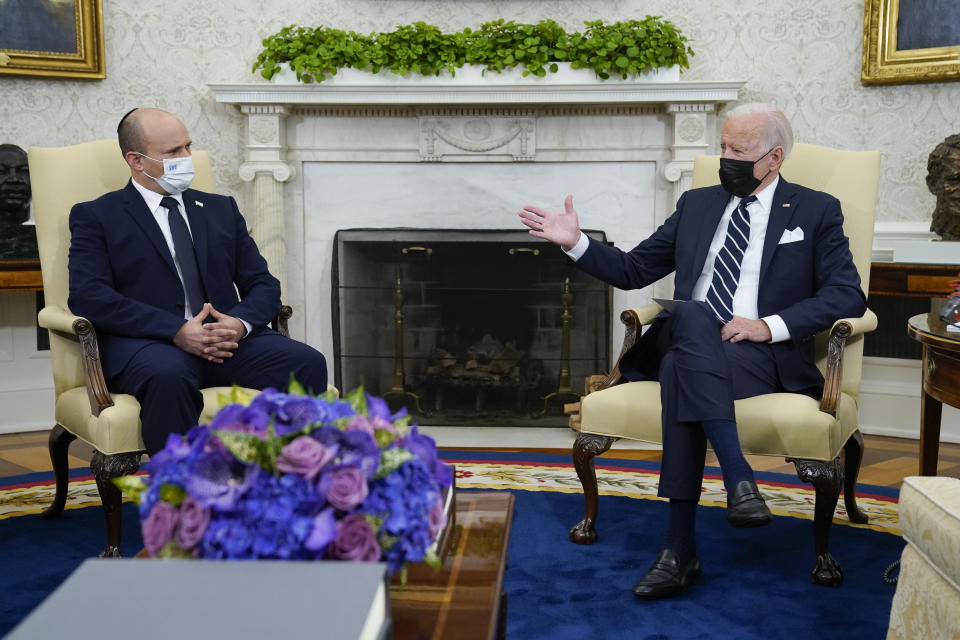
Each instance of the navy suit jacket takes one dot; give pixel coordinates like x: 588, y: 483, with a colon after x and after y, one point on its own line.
x: 123, y: 278
x: 809, y: 283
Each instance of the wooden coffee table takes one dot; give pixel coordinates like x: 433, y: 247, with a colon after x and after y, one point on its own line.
x: 465, y: 598
x: 941, y: 382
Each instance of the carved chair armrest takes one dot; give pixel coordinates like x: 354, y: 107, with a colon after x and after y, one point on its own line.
x: 62, y: 321
x: 634, y: 320
x: 279, y: 323
x: 842, y: 330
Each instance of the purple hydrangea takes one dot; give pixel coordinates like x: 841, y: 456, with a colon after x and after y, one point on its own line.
x: 359, y: 449
x: 236, y: 417
x: 217, y: 479
x: 425, y: 449
x: 323, y: 532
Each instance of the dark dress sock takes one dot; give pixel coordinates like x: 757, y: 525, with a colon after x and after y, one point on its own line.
x: 722, y: 435
x: 681, y: 535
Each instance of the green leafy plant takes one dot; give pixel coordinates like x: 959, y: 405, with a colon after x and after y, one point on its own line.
x: 618, y: 49
x: 500, y: 45
x: 625, y: 48
x: 417, y: 48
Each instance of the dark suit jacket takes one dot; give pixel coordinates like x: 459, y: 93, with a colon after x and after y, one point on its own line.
x: 810, y: 283
x: 123, y: 278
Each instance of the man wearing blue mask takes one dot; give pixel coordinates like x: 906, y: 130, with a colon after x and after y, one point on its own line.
x: 175, y: 286
x: 761, y: 266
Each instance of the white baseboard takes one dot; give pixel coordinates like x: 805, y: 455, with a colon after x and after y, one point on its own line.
x: 890, y: 401
x: 26, y: 410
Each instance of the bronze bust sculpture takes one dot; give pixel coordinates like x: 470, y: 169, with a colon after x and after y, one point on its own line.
x: 17, y: 241
x: 14, y: 185
x: 943, y: 180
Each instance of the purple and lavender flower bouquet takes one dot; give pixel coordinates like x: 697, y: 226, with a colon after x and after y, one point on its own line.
x: 292, y: 476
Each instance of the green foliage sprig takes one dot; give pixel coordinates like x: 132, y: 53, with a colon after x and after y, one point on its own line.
x: 618, y: 49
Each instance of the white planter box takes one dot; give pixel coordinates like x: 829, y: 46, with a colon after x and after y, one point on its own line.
x: 474, y: 75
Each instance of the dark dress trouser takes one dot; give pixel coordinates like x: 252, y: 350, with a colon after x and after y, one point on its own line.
x: 167, y: 380
x: 700, y: 376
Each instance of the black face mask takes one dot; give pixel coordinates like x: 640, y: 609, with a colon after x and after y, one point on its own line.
x: 737, y: 177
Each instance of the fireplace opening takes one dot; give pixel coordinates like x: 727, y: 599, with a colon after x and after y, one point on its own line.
x: 466, y: 327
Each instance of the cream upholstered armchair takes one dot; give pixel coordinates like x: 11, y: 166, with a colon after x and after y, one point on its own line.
x: 60, y: 177
x: 927, y: 601
x: 811, y: 434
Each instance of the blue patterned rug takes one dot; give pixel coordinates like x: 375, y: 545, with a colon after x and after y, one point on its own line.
x: 756, y: 581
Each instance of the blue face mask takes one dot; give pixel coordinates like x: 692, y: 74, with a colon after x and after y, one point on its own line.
x: 177, y: 173
x: 737, y: 177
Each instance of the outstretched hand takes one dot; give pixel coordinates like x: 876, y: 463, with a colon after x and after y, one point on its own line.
x: 560, y: 228
x: 213, y: 341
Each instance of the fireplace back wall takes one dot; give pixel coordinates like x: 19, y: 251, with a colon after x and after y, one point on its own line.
x: 466, y: 326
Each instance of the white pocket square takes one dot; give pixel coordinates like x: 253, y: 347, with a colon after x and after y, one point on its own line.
x: 791, y: 235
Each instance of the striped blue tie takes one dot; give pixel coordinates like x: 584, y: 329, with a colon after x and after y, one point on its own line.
x: 726, y: 268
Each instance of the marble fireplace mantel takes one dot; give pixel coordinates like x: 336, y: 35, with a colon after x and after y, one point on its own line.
x: 292, y: 127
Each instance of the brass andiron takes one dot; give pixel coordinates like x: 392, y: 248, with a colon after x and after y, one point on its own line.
x: 399, y: 388
x: 563, y: 387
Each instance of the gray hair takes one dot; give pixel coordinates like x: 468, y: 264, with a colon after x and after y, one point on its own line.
x: 776, y: 129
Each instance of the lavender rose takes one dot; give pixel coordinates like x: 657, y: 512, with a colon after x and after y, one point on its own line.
x: 348, y: 488
x: 359, y: 422
x: 194, y: 520
x: 158, y: 527
x: 355, y: 541
x: 303, y: 456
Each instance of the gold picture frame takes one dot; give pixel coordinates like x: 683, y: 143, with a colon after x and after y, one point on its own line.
x: 883, y: 63
x: 55, y: 38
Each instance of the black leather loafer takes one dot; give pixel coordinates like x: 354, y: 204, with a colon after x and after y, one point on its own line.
x: 667, y: 577
x: 745, y: 506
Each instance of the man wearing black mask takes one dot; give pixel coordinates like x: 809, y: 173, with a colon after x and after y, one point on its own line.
x: 761, y: 266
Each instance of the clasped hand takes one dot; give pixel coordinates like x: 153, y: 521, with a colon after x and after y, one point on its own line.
x: 739, y: 329
x: 213, y: 341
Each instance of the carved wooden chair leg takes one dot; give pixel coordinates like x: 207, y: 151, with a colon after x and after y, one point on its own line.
x: 852, y: 456
x: 585, y: 449
x: 826, y: 478
x: 58, y: 443
x: 105, y: 468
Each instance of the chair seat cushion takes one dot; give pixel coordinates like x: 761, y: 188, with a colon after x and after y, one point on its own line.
x: 211, y: 401
x: 774, y: 424
x: 117, y: 428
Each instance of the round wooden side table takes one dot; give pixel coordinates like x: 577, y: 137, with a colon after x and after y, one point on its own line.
x: 941, y: 381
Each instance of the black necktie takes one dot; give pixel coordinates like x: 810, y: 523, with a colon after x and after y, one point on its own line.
x: 185, y: 256
x: 726, y: 268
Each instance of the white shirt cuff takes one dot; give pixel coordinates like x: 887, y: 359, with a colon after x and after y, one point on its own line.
x: 778, y: 329
x: 580, y: 248
x: 247, y: 326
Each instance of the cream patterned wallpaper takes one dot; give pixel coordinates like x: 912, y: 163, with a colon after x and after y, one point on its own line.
x: 803, y: 56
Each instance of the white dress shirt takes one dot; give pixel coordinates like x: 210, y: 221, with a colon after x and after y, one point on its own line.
x: 745, y: 297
